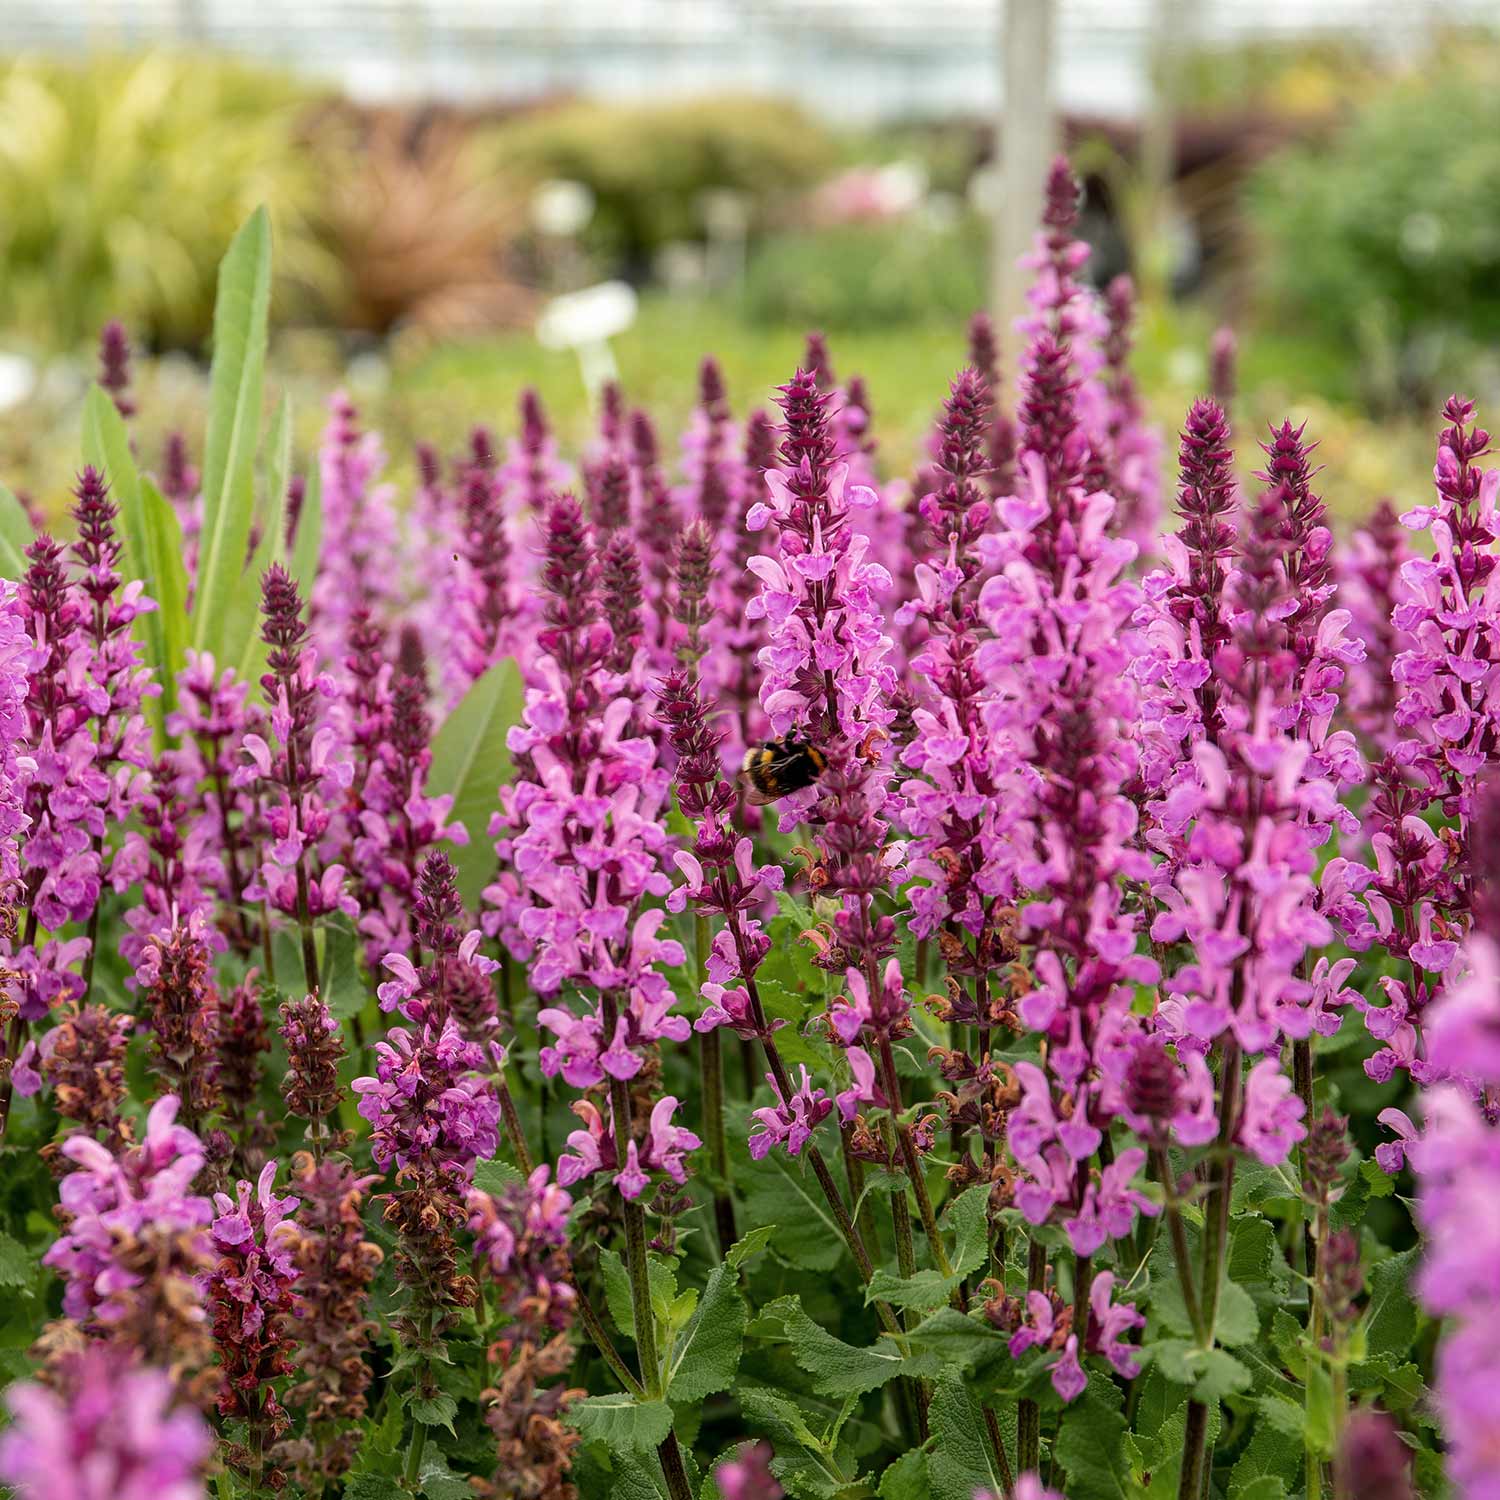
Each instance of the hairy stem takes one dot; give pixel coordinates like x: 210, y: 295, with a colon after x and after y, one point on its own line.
x: 1180, y: 1252
x: 1028, y: 1413
x: 711, y: 1061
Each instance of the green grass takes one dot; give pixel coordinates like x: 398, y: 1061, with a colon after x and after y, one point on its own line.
x: 437, y: 394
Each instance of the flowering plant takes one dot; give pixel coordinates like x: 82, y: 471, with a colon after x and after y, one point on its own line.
x: 1062, y: 1062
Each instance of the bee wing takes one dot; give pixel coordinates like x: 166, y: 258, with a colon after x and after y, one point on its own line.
x: 755, y: 795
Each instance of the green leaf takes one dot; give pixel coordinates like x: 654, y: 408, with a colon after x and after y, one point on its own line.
x: 960, y: 1461
x: 17, y: 1264
x: 1379, y: 1182
x: 470, y: 760
x: 433, y: 1411
x: 969, y: 1221
x: 1237, y: 1321
x: 707, y: 1355
x: 374, y: 1487
x: 926, y: 1290
x: 1286, y: 1335
x: 907, y: 1478
x: 802, y: 1463
x: 244, y: 650
x: 621, y: 1423
x: 496, y: 1176
x: 1089, y: 1442
x: 1268, y: 1455
x: 959, y: 1340
x: 1285, y: 1416
x: 307, y: 545
x: 1211, y: 1373
x: 838, y: 1369
x: 16, y: 535
x: 241, y: 313
x: 438, y: 1482
x: 1390, y: 1321
x: 1267, y: 1487
x: 660, y: 1277
x: 151, y: 543
x: 344, y: 987
x: 749, y: 1245
x: 1317, y: 1431
x: 807, y: 1235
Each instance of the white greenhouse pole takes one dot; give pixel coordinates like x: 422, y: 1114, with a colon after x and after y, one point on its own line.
x: 1026, y: 128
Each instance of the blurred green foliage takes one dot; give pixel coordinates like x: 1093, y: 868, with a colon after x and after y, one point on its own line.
x: 649, y: 165
x: 122, y: 180
x: 1385, y: 237
x: 869, y: 275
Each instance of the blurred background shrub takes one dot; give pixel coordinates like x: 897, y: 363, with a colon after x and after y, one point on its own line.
x: 648, y: 166
x: 123, y: 180
x: 862, y: 275
x: 1386, y: 231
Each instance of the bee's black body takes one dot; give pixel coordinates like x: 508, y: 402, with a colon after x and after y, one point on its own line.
x: 779, y: 768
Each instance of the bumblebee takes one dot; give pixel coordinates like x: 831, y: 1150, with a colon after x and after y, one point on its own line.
x: 779, y: 768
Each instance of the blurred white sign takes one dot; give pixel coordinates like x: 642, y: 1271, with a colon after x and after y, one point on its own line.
x: 585, y: 322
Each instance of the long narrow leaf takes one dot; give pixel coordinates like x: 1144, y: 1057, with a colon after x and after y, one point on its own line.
x: 244, y: 649
x: 16, y: 535
x: 307, y: 547
x: 151, y: 544
x: 241, y: 311
x: 470, y: 760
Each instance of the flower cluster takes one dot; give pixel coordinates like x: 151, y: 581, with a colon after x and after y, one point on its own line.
x: 112, y: 1432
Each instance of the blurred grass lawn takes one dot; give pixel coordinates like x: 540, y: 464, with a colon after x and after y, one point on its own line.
x: 436, y: 394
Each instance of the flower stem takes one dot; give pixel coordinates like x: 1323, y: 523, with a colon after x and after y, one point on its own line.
x: 1180, y: 1253
x: 911, y: 1159
x: 1028, y: 1413
x: 711, y: 1059
x: 1196, y: 1461
x: 1302, y: 1077
x: 419, y: 1429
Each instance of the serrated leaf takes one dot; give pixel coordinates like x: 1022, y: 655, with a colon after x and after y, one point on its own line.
x: 1267, y: 1455
x: 241, y: 315
x: 960, y: 1461
x: 17, y: 1264
x: 838, y: 1369
x: 16, y: 535
x: 1211, y: 1374
x: 807, y: 1235
x: 1378, y: 1182
x: 1390, y: 1320
x: 707, y: 1354
x: 748, y: 1246
x: 438, y: 1482
x: 344, y: 986
x: 497, y: 1176
x: 433, y: 1411
x: 374, y: 1487
x: 660, y: 1277
x: 1286, y: 1335
x: 470, y: 760
x: 1236, y: 1321
x: 1267, y: 1487
x: 1318, y: 1428
x: 1285, y: 1416
x: 907, y: 1478
x: 927, y: 1290
x: 968, y: 1218
x: 1089, y: 1441
x: 621, y: 1423
x: 957, y: 1339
